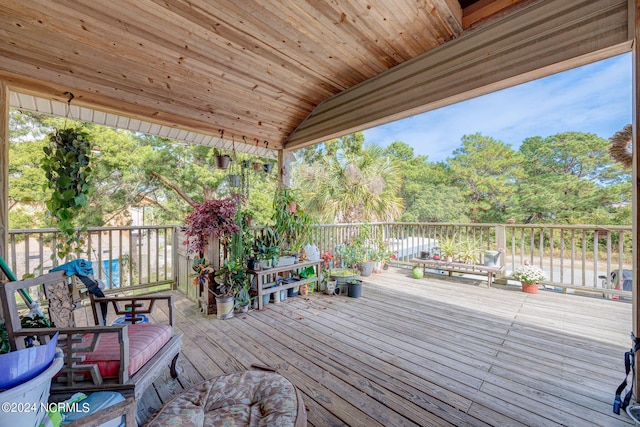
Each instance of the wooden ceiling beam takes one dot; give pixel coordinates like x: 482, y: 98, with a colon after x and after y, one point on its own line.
x: 548, y: 37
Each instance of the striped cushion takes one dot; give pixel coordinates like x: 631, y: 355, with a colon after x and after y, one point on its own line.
x: 144, y: 342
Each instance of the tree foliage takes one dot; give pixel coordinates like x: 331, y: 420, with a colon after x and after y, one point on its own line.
x: 130, y: 170
x: 427, y: 189
x: 568, y: 178
x: 352, y: 185
x: 563, y: 178
x: 486, y: 172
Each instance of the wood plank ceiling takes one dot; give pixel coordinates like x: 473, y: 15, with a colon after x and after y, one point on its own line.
x: 255, y: 69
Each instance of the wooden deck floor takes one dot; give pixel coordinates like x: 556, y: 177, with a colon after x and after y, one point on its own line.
x: 435, y: 351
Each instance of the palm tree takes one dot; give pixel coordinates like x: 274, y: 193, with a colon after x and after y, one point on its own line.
x: 352, y: 186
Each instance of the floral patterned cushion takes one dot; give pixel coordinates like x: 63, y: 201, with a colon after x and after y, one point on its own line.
x: 252, y: 398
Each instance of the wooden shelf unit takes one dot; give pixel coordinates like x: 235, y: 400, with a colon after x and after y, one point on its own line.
x: 271, y: 286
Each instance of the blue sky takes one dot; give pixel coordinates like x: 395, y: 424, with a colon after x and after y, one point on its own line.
x: 595, y: 98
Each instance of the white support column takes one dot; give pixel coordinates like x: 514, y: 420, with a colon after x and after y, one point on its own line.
x: 4, y: 169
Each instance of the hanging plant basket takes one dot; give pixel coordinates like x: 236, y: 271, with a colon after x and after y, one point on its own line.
x: 67, y: 166
x: 246, y: 164
x: 234, y: 180
x: 267, y: 167
x: 222, y: 161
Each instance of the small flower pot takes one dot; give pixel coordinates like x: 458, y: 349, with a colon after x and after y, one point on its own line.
x: 267, y: 167
x: 331, y: 287
x: 530, y: 288
x: 222, y: 162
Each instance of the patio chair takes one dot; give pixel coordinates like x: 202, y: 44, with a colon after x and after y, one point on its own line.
x: 125, y: 358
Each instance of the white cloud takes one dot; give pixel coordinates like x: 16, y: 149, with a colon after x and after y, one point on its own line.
x: 595, y: 98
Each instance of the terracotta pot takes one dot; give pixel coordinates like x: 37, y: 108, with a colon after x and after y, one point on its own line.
x: 530, y: 288
x: 257, y: 166
x: 293, y: 206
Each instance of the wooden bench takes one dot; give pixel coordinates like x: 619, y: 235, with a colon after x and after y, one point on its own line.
x: 459, y: 267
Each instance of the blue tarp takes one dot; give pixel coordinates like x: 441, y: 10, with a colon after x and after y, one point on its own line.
x: 112, y: 275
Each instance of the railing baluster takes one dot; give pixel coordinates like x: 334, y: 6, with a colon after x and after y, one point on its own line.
x: 143, y: 261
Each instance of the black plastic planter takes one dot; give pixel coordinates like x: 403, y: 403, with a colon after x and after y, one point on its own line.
x: 354, y: 288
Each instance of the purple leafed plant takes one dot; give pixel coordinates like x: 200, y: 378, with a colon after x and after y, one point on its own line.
x: 212, y: 218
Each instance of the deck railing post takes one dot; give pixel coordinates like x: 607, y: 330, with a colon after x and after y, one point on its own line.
x: 175, y: 261
x: 501, y: 243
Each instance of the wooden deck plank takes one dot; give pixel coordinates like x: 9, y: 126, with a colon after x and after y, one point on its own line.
x: 421, y: 368
x: 380, y: 379
x: 308, y: 376
x: 434, y: 351
x: 462, y: 358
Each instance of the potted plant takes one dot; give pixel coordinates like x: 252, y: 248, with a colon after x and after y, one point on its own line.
x: 327, y: 284
x: 202, y: 271
x: 358, y: 254
x: 347, y: 272
x: 222, y: 160
x: 293, y: 226
x: 530, y: 277
x: 243, y: 299
x: 467, y: 251
x: 229, y: 279
x: 354, y: 288
x: 449, y: 248
x: 67, y: 166
x: 267, y: 167
x: 266, y: 248
x: 234, y: 180
x: 212, y: 218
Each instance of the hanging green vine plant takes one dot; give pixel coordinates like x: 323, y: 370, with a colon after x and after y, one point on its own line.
x: 67, y: 165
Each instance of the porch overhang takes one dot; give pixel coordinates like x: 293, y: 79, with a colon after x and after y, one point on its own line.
x: 546, y: 38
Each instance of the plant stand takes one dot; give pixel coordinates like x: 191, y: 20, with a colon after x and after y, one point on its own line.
x: 266, y: 281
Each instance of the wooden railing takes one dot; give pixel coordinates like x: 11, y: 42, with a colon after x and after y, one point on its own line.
x: 572, y: 256
x: 132, y: 257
